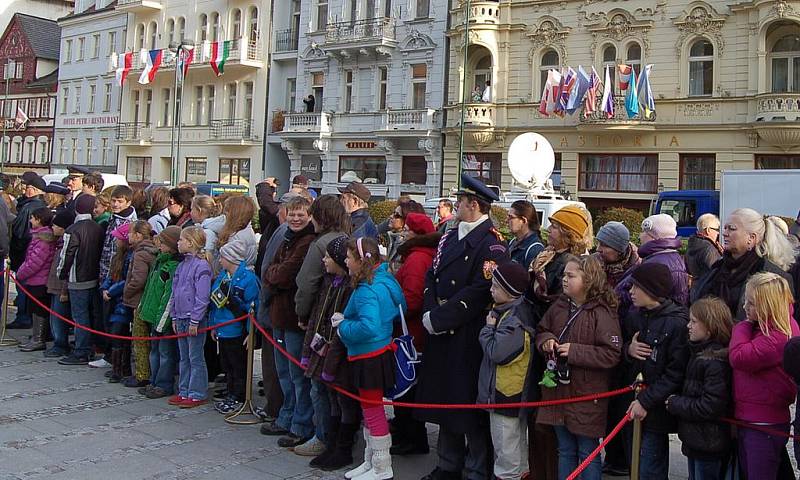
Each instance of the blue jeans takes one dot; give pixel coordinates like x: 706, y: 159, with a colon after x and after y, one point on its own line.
x: 654, y: 458
x: 322, y: 409
x: 572, y: 450
x: 163, y: 360
x: 59, y: 327
x: 297, y: 412
x: 193, y: 376
x: 707, y: 469
x: 80, y: 302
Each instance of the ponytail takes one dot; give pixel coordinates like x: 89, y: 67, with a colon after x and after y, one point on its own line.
x: 775, y: 246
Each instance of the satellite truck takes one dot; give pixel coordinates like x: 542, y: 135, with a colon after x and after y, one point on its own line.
x: 531, y: 161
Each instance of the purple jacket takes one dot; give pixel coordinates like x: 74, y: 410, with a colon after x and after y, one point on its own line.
x: 38, y: 257
x: 665, y: 252
x: 191, y: 289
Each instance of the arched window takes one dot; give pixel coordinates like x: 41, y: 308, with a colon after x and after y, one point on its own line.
x: 550, y: 61
x: 140, y: 36
x: 153, y: 35
x: 236, y: 23
x: 610, y: 61
x: 634, y: 58
x: 203, y: 28
x: 214, y: 34
x: 701, y: 69
x: 786, y: 64
x: 181, y: 29
x: 252, y: 28
x: 170, y: 31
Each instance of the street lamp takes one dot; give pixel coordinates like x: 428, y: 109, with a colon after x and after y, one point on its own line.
x: 177, y: 106
x: 8, y: 73
x: 467, y: 9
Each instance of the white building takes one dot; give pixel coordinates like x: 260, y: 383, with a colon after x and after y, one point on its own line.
x: 376, y: 71
x: 222, y: 127
x: 51, y: 9
x: 88, y: 95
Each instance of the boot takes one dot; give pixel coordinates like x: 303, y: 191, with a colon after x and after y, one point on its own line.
x: 125, y: 362
x: 381, y: 460
x: 116, y: 366
x: 342, y: 455
x: 36, y: 343
x: 415, y: 441
x: 367, y: 465
x: 330, y: 442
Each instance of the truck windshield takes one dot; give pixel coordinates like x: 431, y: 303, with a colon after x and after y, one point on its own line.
x: 683, y: 211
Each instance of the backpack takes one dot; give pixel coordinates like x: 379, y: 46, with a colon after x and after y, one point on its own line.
x: 406, y: 358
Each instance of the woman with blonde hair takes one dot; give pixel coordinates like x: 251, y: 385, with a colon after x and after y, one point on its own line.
x: 762, y: 390
x: 205, y: 213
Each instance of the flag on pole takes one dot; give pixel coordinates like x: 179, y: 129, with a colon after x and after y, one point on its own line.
x: 554, y: 78
x: 184, y: 59
x: 152, y: 64
x: 220, y: 51
x: 125, y: 63
x: 578, y: 91
x: 590, y: 103
x: 632, y: 98
x: 570, y: 83
x: 21, y: 117
x: 624, y: 76
x: 646, y: 92
x: 547, y: 97
x: 607, y: 103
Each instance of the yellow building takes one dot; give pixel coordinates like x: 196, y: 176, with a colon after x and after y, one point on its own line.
x: 725, y: 78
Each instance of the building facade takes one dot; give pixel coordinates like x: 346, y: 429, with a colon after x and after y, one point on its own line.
x: 52, y: 9
x: 220, y: 135
x: 29, y: 50
x: 358, y: 93
x: 725, y: 78
x: 88, y: 95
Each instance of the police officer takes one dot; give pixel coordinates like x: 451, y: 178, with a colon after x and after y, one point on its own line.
x: 456, y: 301
x: 75, y: 184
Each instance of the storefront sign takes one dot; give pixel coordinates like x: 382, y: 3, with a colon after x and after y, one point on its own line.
x: 311, y: 167
x: 360, y: 145
x: 620, y: 140
x: 104, y: 120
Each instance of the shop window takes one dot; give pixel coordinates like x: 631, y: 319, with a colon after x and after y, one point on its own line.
x: 196, y: 169
x: 234, y: 171
x: 772, y: 162
x: 483, y: 166
x: 414, y: 170
x: 138, y: 169
x: 619, y: 173
x: 362, y: 169
x: 698, y: 171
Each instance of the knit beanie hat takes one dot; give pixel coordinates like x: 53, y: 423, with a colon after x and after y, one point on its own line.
x: 121, y: 232
x: 84, y: 205
x: 234, y: 251
x: 419, y: 223
x: 169, y: 236
x: 512, y: 277
x: 653, y: 278
x: 660, y: 226
x: 337, y: 250
x: 615, y: 235
x: 64, y: 219
x: 573, y: 218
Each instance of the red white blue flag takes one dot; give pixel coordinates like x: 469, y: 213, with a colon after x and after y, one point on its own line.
x: 152, y: 63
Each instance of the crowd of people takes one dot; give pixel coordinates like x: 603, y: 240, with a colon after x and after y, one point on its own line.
x: 710, y: 334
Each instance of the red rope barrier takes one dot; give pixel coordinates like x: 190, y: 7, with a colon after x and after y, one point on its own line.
x: 111, y: 335
x: 585, y: 463
x: 760, y: 428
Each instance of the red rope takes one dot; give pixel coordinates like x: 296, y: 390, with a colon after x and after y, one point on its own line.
x: 585, y: 463
x: 760, y: 428
x: 111, y: 335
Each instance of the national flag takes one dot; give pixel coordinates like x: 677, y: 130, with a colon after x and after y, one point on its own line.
x: 554, y: 80
x: 220, y: 51
x: 566, y: 90
x: 547, y: 97
x: 590, y: 103
x: 607, y: 103
x: 21, y: 117
x: 125, y: 63
x: 624, y: 76
x: 152, y: 64
x: 646, y: 92
x: 184, y: 59
x: 558, y: 108
x: 632, y: 98
x: 578, y: 91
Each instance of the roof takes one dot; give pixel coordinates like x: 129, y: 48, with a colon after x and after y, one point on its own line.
x: 43, y: 35
x: 46, y: 81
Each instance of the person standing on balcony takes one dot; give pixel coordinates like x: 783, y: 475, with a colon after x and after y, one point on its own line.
x: 309, y: 101
x: 487, y: 92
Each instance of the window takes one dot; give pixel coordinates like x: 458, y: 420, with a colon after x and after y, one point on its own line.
x: 383, y: 83
x: 414, y: 170
x: 29, y: 149
x: 698, y: 171
x: 76, y: 107
x: 295, y: 21
x: 170, y: 31
x: 181, y: 28
x: 45, y: 108
x: 348, y: 90
x: 104, y: 153
x: 96, y: 45
x: 236, y: 23
x: 92, y: 95
x: 61, y: 150
x: 89, y: 147
x: 610, y: 61
x: 556, y: 175
x: 107, y: 100
x: 291, y: 94
x: 701, y: 69
x: 619, y: 173
x: 786, y: 64
x: 74, y: 158
x: 153, y: 35
x: 770, y: 162
x: 44, y: 149
x: 198, y: 105
x: 140, y: 36
x: 423, y: 8
x: 387, y: 8
x: 214, y: 26
x: 211, y: 92
x: 203, y: 27
x: 317, y: 89
x: 247, y: 114
x: 322, y: 14
x: 252, y: 32
x: 364, y: 169
x: 483, y: 166
x: 148, y: 105
x: 684, y: 212
x: 234, y: 171
x: 550, y: 61
x: 166, y: 112
x: 634, y: 58
x: 81, y: 48
x: 137, y: 95
x: 196, y: 169
x: 231, y: 106
x: 68, y: 51
x: 138, y: 169
x: 112, y: 42
x: 33, y: 108
x: 419, y: 78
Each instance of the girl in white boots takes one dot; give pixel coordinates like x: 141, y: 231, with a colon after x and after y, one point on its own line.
x: 366, y: 330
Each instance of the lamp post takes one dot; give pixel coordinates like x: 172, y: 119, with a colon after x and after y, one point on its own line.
x: 177, y: 106
x: 9, y: 72
x: 467, y: 9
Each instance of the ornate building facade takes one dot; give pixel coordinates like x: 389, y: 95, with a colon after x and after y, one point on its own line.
x: 725, y: 79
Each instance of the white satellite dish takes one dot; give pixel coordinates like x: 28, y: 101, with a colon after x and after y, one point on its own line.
x: 531, y: 159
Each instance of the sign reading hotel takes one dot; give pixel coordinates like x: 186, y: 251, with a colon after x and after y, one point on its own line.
x: 81, y: 121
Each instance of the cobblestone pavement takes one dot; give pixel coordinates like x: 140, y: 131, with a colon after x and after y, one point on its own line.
x: 68, y: 422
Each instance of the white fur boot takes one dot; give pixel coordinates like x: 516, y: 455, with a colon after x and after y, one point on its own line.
x: 381, y: 460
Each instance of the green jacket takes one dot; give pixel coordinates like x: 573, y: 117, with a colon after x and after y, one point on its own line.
x: 158, y: 292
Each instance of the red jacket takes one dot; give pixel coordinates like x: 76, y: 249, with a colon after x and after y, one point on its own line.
x: 417, y: 254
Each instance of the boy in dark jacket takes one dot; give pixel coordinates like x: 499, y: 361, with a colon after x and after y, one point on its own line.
x: 655, y: 347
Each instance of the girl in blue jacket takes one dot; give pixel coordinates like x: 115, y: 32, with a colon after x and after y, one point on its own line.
x: 233, y: 294
x: 366, y: 330
x: 120, y: 319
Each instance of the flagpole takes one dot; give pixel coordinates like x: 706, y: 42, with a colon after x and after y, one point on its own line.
x: 6, y: 105
x: 173, y: 174
x: 463, y: 92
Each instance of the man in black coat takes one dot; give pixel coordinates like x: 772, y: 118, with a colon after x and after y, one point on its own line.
x: 456, y: 302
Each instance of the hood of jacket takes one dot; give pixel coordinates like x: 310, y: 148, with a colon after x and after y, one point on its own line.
x: 215, y: 224
x: 383, y: 277
x: 709, y: 350
x: 43, y: 233
x: 147, y: 245
x: 659, y: 245
x: 430, y: 240
x: 128, y: 214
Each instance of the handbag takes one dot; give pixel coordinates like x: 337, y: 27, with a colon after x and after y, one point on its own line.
x: 406, y: 359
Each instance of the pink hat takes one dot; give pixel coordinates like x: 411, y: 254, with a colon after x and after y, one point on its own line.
x: 660, y: 226
x: 121, y: 232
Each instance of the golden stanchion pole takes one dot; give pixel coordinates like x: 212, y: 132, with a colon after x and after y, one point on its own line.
x: 6, y: 342
x: 636, y: 444
x: 247, y: 410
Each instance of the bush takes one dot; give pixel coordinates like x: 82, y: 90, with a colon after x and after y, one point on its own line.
x: 499, y: 216
x: 630, y: 218
x: 380, y: 211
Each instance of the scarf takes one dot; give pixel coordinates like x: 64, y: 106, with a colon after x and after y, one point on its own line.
x: 616, y: 270
x: 731, y: 277
x: 537, y: 271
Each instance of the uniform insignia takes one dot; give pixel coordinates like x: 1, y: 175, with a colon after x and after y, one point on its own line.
x: 497, y: 248
x: 488, y: 269
x: 497, y: 234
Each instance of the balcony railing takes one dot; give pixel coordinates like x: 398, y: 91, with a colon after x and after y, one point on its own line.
x: 620, y: 114
x: 778, y: 107
x: 134, y: 132
x: 481, y: 12
x: 371, y: 29
x: 479, y: 115
x: 241, y: 50
x: 410, y: 120
x: 286, y: 40
x: 321, y: 122
x: 231, y: 129
x: 139, y: 5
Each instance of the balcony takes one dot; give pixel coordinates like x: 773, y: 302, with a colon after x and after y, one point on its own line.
x: 778, y: 107
x: 480, y: 13
x: 478, y: 115
x: 300, y: 124
x: 620, y: 118
x: 350, y: 38
x: 139, y: 6
x: 232, y: 130
x: 286, y: 40
x: 242, y: 53
x: 403, y: 121
x: 134, y: 133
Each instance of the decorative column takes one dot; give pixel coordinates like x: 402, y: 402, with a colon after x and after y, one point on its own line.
x: 292, y: 150
x: 393, y: 167
x: 431, y: 147
x: 329, y: 165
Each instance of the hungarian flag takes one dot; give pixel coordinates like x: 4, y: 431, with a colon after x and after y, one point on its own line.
x: 624, y: 76
x: 124, y: 67
x: 607, y: 103
x: 152, y: 63
x: 220, y: 51
x: 590, y: 103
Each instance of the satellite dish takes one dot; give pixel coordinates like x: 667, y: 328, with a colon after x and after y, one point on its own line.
x: 531, y: 159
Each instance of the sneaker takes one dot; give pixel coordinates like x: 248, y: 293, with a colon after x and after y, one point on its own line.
x: 55, y: 353
x: 108, y: 374
x: 100, y: 363
x: 33, y: 347
x: 262, y: 413
x: 311, y: 448
x: 192, y: 403
x: 291, y: 441
x: 155, y: 392
x: 176, y: 400
x: 227, y: 406
x: 73, y: 360
x: 144, y: 390
x: 15, y: 325
x: 272, y: 429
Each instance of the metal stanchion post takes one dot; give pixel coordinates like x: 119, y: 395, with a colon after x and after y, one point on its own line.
x: 6, y: 342
x: 247, y: 410
x: 636, y: 444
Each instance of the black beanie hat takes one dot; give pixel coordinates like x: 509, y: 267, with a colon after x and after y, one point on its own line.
x: 653, y: 278
x: 513, y: 277
x: 84, y: 204
x: 337, y: 250
x: 64, y: 219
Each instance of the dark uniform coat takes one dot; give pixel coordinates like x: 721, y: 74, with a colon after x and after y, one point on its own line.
x: 458, y: 299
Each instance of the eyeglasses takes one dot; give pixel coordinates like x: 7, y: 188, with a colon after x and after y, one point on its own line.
x: 513, y: 217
